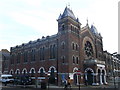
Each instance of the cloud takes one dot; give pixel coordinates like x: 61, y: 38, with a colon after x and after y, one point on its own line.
x: 39, y: 16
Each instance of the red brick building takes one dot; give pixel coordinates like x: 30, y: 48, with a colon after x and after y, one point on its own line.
x: 61, y: 55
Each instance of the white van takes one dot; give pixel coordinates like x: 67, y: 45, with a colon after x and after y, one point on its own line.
x: 6, y: 78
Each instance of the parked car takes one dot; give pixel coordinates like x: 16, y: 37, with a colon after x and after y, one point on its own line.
x: 23, y: 80
x: 6, y: 78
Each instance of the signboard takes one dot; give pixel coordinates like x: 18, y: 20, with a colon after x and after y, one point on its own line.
x: 78, y: 72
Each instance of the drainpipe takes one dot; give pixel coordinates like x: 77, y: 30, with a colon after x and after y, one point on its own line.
x: 57, y: 62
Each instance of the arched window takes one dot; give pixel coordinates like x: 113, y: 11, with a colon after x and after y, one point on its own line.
x: 54, y: 51
x: 40, y: 53
x: 63, y: 27
x: 43, y: 53
x: 32, y: 71
x: 63, y: 59
x: 41, y: 72
x: 17, y: 71
x: 24, y: 71
x: 32, y: 55
x: 50, y: 51
x: 12, y: 59
x: 73, y: 46
x: 77, y: 60
x: 25, y: 56
x: 11, y: 72
x: 76, y: 47
x: 73, y: 58
x: 18, y: 57
x: 63, y: 45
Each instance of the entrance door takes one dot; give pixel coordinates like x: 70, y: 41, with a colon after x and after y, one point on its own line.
x: 103, y: 74
x: 99, y: 73
x: 75, y: 79
x: 89, y: 77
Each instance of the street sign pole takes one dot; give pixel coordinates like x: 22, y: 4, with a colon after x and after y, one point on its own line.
x: 78, y: 72
x: 79, y: 85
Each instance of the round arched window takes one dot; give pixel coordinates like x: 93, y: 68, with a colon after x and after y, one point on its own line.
x: 88, y: 49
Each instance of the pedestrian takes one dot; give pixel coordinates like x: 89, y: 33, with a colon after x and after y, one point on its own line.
x: 69, y: 82
x: 66, y: 84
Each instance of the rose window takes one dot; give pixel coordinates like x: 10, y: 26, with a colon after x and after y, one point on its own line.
x: 88, y: 49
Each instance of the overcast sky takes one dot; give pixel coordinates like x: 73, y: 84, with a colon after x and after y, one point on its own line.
x: 25, y: 20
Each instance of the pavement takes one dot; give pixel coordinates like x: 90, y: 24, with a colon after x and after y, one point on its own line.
x: 53, y: 87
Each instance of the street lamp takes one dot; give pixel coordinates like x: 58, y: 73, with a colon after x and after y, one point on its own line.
x: 48, y: 79
x: 78, y: 72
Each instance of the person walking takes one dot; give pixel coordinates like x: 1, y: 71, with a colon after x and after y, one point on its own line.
x: 69, y: 82
x: 66, y: 85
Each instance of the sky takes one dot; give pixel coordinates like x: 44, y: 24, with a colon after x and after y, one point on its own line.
x: 22, y: 21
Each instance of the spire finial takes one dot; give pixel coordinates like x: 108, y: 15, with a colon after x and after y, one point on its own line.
x: 68, y: 4
x: 87, y: 21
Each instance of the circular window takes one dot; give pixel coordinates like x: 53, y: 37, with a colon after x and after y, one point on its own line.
x: 88, y: 49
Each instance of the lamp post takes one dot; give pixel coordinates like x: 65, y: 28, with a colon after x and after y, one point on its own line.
x: 48, y: 79
x: 36, y: 83
x: 78, y: 72
x: 57, y: 62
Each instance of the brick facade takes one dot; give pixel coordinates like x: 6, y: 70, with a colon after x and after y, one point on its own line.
x: 60, y: 55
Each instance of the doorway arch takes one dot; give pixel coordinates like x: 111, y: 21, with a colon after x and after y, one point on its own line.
x: 89, y: 74
x: 52, y: 71
x: 75, y: 76
x: 99, y: 78
x: 103, y: 74
x: 75, y: 79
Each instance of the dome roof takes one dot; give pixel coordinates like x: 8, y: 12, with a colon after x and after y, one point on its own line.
x: 94, y: 30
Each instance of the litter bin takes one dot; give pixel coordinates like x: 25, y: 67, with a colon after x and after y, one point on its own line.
x: 43, y: 85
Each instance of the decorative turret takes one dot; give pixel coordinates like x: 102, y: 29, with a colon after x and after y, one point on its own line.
x: 94, y: 30
x: 59, y: 16
x: 67, y: 21
x: 68, y: 13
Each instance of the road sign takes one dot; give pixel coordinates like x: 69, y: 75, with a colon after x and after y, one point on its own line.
x: 78, y: 72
